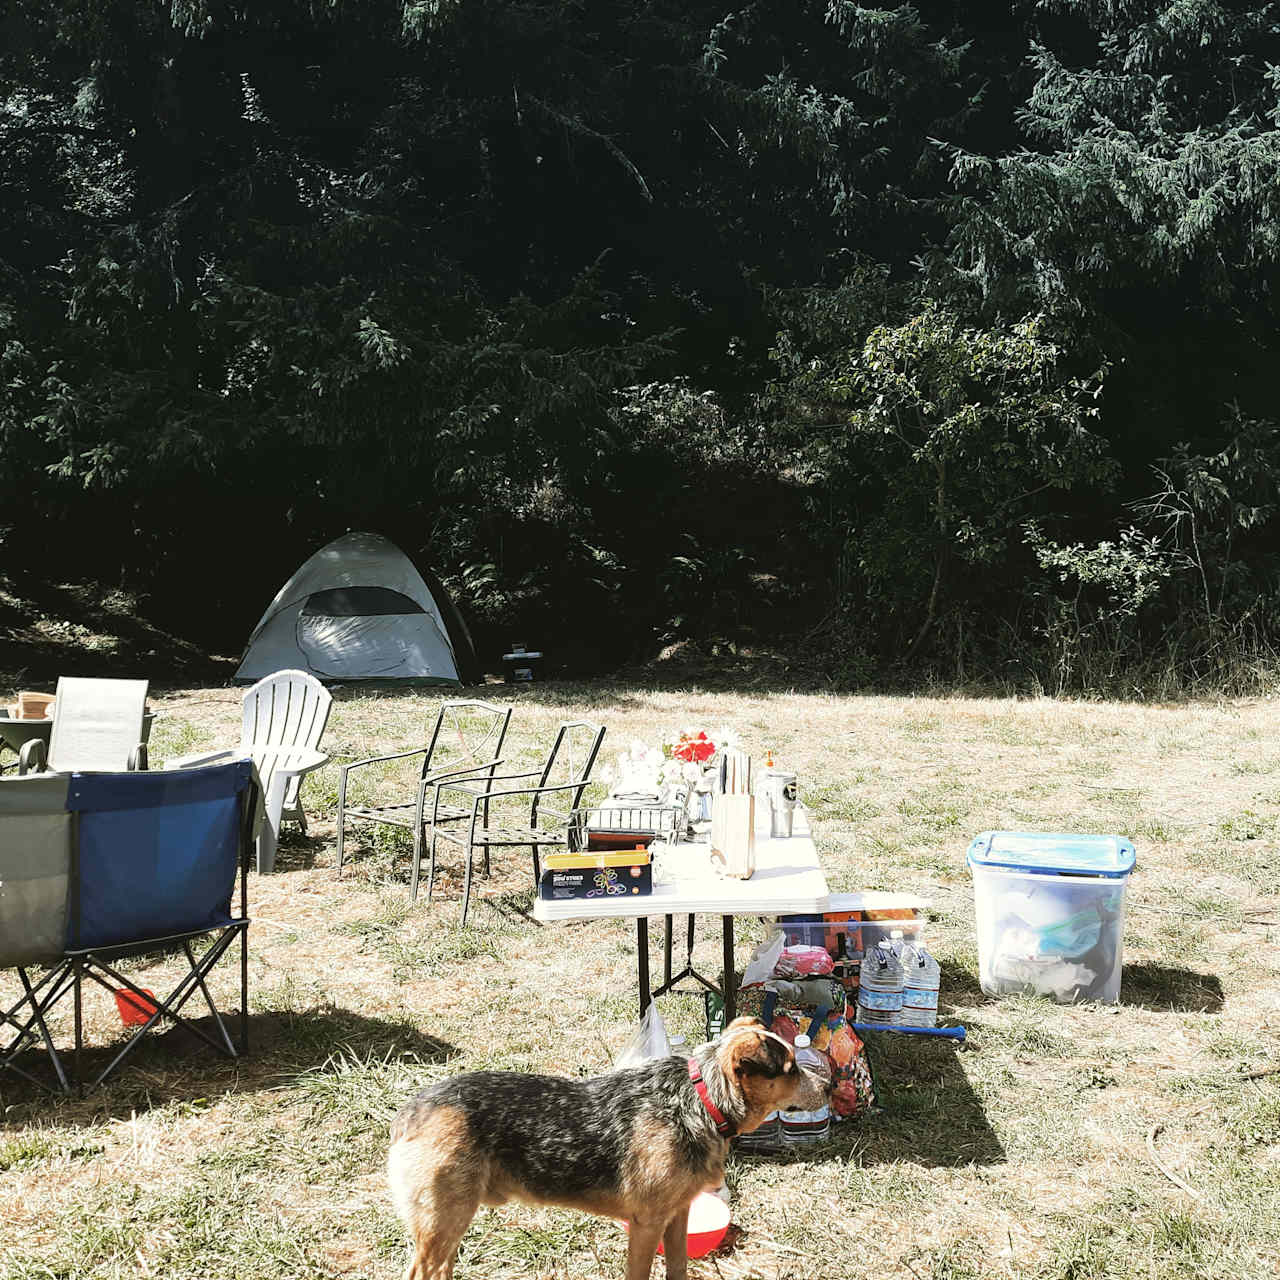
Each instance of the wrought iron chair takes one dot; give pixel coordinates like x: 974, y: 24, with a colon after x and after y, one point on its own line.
x: 486, y: 799
x: 152, y: 861
x: 466, y: 739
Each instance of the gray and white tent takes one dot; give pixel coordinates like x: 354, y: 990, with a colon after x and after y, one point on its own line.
x: 359, y: 610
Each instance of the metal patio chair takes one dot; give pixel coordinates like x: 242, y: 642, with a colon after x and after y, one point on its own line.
x: 152, y: 863
x: 466, y: 739
x: 487, y: 800
x: 283, y: 718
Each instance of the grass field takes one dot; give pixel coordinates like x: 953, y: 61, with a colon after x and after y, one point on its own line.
x: 1062, y: 1143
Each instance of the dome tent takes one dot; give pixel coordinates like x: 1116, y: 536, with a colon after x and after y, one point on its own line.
x: 358, y: 609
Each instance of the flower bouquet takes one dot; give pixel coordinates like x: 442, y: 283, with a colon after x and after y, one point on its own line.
x: 690, y: 765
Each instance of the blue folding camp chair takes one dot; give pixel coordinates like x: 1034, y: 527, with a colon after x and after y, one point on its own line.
x: 154, y: 860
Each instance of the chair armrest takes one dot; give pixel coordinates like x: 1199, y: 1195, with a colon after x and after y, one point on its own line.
x: 299, y: 760
x: 484, y: 777
x: 527, y: 791
x: 201, y: 757
x: 460, y: 773
x: 31, y: 759
x: 395, y: 755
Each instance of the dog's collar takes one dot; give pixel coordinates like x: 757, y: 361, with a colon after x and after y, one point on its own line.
x: 725, y: 1128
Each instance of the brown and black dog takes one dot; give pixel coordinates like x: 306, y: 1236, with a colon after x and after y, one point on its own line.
x: 637, y: 1144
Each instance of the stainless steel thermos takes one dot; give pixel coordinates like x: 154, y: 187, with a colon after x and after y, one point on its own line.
x: 780, y: 791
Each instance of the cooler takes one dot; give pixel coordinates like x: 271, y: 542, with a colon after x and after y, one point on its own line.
x: 1050, y: 913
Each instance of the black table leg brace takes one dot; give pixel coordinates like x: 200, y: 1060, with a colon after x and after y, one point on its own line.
x: 647, y: 993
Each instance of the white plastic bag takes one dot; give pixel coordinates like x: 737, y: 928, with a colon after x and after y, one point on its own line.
x: 649, y: 1041
x: 760, y: 967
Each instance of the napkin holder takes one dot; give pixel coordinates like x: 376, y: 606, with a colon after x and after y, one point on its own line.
x: 733, y: 835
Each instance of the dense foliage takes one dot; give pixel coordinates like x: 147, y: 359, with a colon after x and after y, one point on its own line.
x: 935, y: 338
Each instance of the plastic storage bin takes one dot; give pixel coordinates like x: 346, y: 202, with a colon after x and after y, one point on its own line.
x: 860, y: 920
x: 1050, y: 913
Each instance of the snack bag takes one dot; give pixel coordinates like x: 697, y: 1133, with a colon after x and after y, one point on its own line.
x: 786, y: 1026
x: 803, y: 962
x: 850, y: 1072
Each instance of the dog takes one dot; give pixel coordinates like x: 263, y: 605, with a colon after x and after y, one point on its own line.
x: 637, y: 1144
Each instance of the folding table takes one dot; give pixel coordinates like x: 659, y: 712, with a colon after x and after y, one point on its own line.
x: 787, y: 881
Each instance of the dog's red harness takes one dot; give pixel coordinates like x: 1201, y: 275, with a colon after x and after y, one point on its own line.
x: 723, y: 1127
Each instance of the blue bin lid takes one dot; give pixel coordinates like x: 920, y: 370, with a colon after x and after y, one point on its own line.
x: 1053, y: 853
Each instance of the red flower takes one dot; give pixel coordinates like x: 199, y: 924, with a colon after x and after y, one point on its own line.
x: 696, y: 750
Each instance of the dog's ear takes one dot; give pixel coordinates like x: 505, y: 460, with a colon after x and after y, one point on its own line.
x: 746, y: 1049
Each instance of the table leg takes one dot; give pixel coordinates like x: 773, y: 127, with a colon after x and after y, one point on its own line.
x: 642, y: 961
x: 666, y: 951
x: 730, y: 976
x: 688, y: 946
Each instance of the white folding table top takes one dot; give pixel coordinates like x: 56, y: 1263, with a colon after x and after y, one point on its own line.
x: 787, y: 881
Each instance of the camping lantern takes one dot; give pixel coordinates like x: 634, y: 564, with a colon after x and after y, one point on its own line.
x: 521, y: 665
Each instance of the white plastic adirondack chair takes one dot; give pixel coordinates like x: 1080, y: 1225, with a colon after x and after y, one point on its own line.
x: 284, y: 718
x: 97, y: 728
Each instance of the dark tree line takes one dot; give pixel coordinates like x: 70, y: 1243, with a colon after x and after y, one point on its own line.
x: 942, y: 336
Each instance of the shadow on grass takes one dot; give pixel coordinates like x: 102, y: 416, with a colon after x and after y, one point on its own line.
x: 175, y: 1066
x: 1168, y: 990
x: 929, y: 1111
x: 926, y: 1113
x: 297, y: 852
x: 959, y: 986
x: 573, y: 695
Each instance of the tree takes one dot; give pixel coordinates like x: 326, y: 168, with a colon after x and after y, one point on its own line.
x: 962, y: 427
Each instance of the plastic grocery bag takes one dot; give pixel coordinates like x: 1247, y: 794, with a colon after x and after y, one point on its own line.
x: 760, y: 967
x: 649, y: 1041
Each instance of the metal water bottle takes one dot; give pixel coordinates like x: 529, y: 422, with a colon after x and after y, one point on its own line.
x: 780, y: 790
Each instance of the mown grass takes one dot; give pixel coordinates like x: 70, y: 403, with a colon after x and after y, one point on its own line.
x: 1027, y: 1154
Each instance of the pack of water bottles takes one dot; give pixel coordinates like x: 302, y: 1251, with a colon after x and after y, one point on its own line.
x: 898, y: 984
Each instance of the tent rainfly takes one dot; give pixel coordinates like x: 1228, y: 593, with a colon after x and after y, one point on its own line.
x: 359, y: 610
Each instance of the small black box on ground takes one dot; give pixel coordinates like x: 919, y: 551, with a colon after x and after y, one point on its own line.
x: 521, y: 665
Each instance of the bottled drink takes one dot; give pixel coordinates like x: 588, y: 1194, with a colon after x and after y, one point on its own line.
x: 764, y: 1140
x: 919, y: 987
x: 880, y: 986
x: 848, y: 969
x: 799, y: 1127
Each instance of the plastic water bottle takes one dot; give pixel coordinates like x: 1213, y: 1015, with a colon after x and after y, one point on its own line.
x: 800, y: 1127
x: 765, y: 1139
x: 921, y: 977
x: 880, y: 986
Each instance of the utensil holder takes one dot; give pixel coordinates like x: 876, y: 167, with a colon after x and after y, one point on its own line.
x: 733, y: 835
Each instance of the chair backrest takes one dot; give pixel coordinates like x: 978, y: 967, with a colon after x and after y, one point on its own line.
x: 466, y: 732
x: 35, y: 862
x: 155, y: 855
x: 97, y: 724
x: 570, y: 761
x: 287, y: 709
x: 573, y: 753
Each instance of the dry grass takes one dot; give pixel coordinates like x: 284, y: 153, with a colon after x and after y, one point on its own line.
x: 1028, y: 1154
